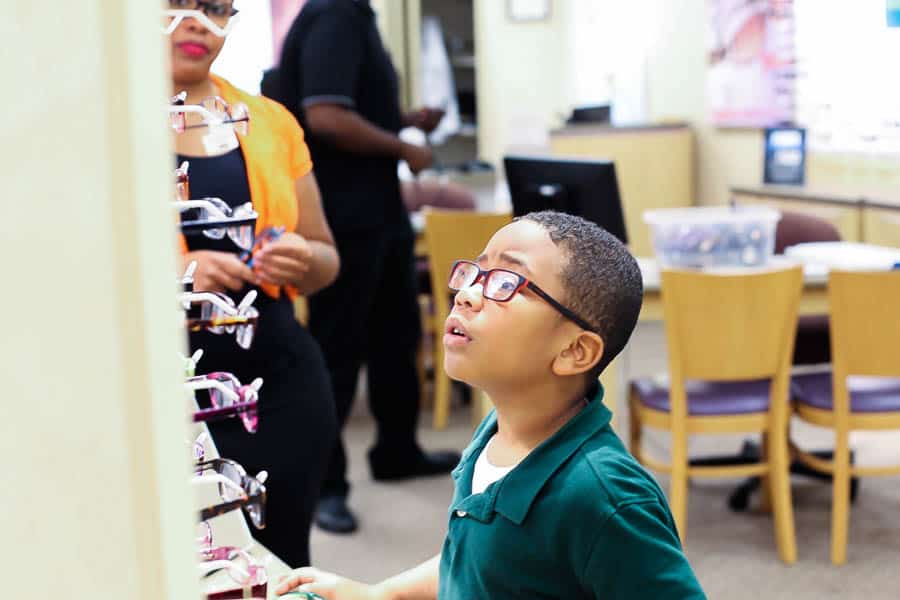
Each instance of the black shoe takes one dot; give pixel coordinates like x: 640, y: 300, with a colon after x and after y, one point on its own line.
x: 333, y: 515
x: 414, y: 464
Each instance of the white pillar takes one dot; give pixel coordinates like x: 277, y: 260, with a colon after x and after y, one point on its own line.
x: 95, y: 500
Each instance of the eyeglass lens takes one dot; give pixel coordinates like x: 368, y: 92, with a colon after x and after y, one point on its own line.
x: 210, y: 312
x: 216, y: 397
x: 499, y: 284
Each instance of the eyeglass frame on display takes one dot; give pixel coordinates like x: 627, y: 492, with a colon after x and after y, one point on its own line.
x: 219, y: 306
x: 178, y: 116
x: 257, y: 591
x: 222, y: 558
x: 219, y: 509
x: 220, y: 108
x: 522, y: 283
x: 218, y: 299
x: 244, y: 399
x: 241, y: 216
x: 238, y: 324
x: 201, y: 16
x: 216, y: 206
x: 231, y: 320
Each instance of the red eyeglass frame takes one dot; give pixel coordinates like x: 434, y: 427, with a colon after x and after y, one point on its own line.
x: 523, y: 282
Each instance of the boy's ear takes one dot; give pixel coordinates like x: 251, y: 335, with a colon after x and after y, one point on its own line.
x: 580, y: 356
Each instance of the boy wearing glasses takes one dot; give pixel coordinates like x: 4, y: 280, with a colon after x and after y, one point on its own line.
x: 548, y: 503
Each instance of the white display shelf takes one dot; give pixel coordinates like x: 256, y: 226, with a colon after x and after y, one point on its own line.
x: 231, y: 529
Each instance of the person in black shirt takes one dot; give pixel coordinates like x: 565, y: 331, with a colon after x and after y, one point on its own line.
x: 336, y: 77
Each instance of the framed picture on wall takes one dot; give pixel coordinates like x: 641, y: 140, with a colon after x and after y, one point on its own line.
x: 751, y: 62
x: 527, y: 10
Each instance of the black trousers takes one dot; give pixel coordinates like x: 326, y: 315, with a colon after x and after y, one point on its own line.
x: 297, y: 425
x: 371, y: 316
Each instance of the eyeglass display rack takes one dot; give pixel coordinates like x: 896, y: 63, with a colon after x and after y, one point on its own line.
x: 231, y: 528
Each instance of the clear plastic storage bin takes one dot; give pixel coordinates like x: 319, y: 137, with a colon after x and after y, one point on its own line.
x: 713, y: 236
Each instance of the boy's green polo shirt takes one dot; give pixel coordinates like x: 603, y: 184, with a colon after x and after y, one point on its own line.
x: 577, y: 518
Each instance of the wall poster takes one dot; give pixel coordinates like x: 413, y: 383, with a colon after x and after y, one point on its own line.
x: 752, y: 62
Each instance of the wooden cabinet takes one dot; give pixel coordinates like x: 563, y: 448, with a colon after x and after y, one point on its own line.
x: 858, y: 217
x: 845, y: 216
x: 881, y: 225
x: 654, y: 167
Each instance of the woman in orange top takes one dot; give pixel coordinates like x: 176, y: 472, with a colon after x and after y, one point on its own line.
x: 272, y: 169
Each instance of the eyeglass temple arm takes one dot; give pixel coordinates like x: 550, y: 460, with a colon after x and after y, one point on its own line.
x: 208, y: 414
x: 198, y: 480
x: 198, y: 297
x: 205, y: 383
x: 220, y: 509
x: 247, y: 302
x: 212, y: 207
x: 562, y: 309
x: 208, y: 566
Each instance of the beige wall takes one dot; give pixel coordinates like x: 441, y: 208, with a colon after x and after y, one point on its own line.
x: 520, y: 80
x: 675, y: 79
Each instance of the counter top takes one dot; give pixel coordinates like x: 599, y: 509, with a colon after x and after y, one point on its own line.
x: 607, y: 129
x: 853, y: 196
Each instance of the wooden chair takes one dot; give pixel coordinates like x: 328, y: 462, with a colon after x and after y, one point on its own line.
x: 812, y: 345
x: 450, y: 236
x: 865, y: 333
x: 730, y: 340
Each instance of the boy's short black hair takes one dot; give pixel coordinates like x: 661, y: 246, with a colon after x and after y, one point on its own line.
x: 601, y: 280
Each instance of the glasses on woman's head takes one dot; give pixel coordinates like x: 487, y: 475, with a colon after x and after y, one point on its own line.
x: 218, y: 17
x: 236, y: 489
x: 501, y: 285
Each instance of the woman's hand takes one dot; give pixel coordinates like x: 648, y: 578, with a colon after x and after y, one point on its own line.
x: 329, y: 586
x: 219, y: 271
x: 286, y: 261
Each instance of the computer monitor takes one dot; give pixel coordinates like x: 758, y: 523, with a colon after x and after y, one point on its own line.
x: 585, y: 188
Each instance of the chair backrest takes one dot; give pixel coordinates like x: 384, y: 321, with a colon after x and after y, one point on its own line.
x: 865, y: 323
x: 797, y: 228
x: 731, y: 327
x: 451, y: 235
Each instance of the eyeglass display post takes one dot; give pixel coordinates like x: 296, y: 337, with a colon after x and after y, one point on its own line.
x: 94, y: 448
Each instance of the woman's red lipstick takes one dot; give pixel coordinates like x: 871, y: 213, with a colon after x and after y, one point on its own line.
x: 193, y: 49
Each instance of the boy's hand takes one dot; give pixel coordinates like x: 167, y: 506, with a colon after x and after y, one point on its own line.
x: 329, y: 586
x: 284, y: 261
x: 218, y: 271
